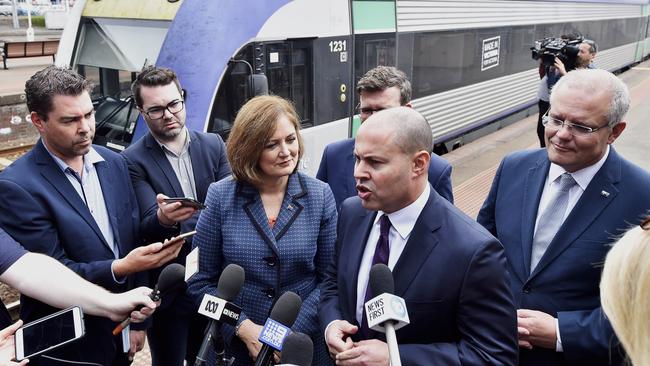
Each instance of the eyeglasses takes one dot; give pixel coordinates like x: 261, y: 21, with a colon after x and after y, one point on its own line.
x: 574, y: 129
x: 367, y: 111
x: 159, y: 112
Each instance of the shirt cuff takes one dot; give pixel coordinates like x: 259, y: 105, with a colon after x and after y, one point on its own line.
x: 120, y: 281
x: 558, y: 343
x: 327, y: 328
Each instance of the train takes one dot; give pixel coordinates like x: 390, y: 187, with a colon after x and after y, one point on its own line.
x: 469, y: 61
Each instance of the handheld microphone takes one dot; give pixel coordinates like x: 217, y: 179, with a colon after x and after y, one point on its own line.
x: 298, y: 350
x: 278, y: 326
x: 169, y: 280
x: 386, y: 312
x: 220, y: 310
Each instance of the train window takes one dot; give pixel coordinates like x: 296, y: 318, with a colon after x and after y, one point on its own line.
x: 289, y: 74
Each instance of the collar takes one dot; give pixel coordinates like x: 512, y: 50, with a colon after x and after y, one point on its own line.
x: 583, y: 176
x: 92, y: 157
x: 186, y: 144
x: 403, y: 220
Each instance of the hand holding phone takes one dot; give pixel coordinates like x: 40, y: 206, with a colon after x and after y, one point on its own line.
x: 175, y: 239
x: 186, y: 202
x: 48, y: 333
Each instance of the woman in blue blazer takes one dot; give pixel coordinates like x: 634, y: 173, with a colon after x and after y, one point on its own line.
x: 277, y: 223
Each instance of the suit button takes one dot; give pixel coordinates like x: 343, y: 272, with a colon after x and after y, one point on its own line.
x: 271, y: 261
x: 527, y: 289
x: 270, y: 292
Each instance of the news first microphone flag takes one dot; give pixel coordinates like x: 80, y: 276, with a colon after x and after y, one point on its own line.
x: 385, y: 307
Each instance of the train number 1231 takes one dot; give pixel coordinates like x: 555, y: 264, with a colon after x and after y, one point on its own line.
x: 337, y: 46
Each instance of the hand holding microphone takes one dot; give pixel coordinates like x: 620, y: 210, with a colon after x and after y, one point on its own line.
x: 170, y: 279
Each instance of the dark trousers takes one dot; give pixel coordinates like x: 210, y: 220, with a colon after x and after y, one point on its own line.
x: 176, y: 332
x: 543, y: 108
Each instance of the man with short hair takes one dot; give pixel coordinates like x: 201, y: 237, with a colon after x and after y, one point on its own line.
x: 550, y: 75
x: 73, y: 201
x: 449, y: 270
x: 380, y: 88
x: 171, y: 161
x: 557, y: 211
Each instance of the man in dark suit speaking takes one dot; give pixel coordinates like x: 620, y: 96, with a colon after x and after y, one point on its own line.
x: 557, y: 211
x: 450, y: 271
x: 380, y: 88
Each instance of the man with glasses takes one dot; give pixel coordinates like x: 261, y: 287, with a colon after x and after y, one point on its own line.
x: 171, y: 161
x: 73, y: 201
x: 557, y: 211
x: 380, y: 88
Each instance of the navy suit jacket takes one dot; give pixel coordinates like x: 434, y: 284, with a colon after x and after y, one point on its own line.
x: 42, y: 211
x: 337, y: 169
x: 451, y: 274
x: 291, y: 256
x: 152, y: 173
x: 565, y: 282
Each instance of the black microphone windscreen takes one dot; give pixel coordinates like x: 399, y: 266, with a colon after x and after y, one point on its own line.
x: 230, y: 282
x: 297, y: 349
x: 381, y: 280
x: 286, y: 309
x: 170, y: 277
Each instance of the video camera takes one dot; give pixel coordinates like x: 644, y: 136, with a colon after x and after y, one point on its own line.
x: 566, y: 50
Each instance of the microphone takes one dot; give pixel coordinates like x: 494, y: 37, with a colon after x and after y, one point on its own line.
x: 298, y: 350
x: 220, y: 310
x: 169, y: 280
x: 386, y: 312
x: 278, y: 326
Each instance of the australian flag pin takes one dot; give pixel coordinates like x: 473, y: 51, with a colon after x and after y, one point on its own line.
x: 604, y: 194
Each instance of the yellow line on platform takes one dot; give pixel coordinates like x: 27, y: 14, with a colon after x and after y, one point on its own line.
x: 641, y: 68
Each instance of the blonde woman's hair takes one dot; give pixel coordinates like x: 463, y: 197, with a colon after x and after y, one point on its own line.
x: 625, y: 292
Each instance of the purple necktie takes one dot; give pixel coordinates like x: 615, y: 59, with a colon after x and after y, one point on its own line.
x: 382, y: 251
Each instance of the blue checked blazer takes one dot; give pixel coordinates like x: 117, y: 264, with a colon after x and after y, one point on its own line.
x: 292, y: 256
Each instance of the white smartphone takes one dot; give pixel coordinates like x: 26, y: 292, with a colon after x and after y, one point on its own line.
x: 48, y: 333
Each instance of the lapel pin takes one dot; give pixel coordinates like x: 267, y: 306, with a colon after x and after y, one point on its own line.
x: 604, y: 194
x: 289, y: 207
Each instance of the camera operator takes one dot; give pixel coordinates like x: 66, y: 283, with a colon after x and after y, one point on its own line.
x: 551, y: 74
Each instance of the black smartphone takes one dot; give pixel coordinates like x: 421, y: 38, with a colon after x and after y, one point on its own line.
x: 187, y: 202
x: 48, y: 333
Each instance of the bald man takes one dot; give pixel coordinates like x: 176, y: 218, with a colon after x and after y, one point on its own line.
x: 450, y: 270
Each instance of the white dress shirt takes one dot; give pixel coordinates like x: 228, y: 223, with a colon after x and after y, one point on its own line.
x: 582, y: 177
x: 402, y: 223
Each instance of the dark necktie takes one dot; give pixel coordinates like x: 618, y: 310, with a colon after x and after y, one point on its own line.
x: 382, y: 252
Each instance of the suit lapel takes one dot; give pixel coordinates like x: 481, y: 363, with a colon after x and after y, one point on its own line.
x: 291, y: 206
x: 110, y: 190
x: 355, y: 244
x: 589, y: 207
x: 49, y: 169
x: 161, y: 160
x: 255, y: 211
x: 533, y: 187
x: 419, y: 245
x: 200, y: 167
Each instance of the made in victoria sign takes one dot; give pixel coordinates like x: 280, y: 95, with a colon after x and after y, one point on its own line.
x: 490, y: 53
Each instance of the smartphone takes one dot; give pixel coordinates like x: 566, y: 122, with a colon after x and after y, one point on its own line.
x: 187, y: 202
x: 48, y: 333
x: 179, y: 237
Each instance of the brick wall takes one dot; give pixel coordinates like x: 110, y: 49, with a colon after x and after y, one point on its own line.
x: 15, y: 128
